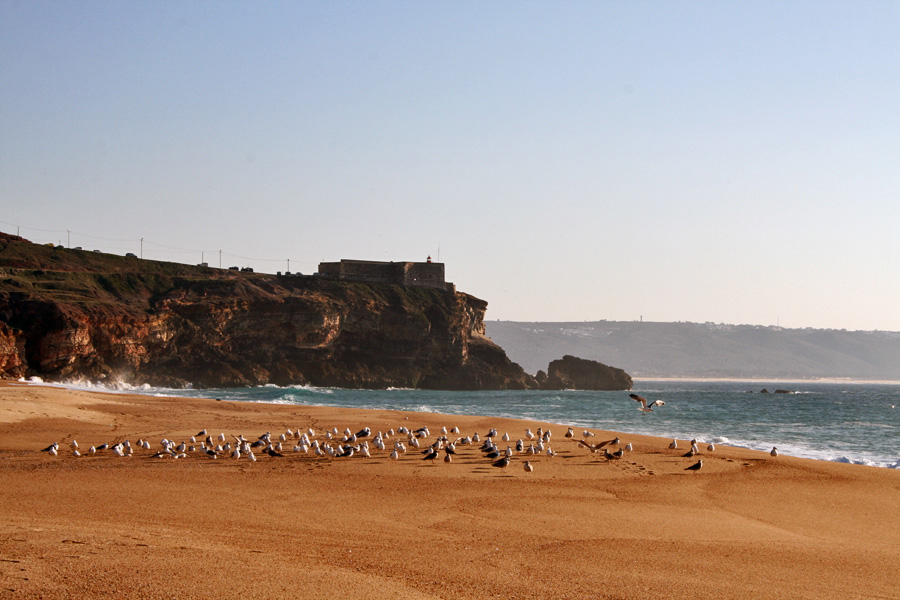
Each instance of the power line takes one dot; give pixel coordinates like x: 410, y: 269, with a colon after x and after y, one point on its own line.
x: 160, y: 248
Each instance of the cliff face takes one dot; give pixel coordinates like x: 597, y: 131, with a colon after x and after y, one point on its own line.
x: 68, y: 314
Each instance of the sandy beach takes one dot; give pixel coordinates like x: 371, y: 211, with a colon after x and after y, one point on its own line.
x: 746, y: 525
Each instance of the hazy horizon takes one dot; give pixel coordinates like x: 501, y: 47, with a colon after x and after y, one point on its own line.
x: 568, y: 162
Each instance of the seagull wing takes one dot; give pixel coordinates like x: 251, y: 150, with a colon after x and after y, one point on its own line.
x: 588, y: 446
x: 640, y: 399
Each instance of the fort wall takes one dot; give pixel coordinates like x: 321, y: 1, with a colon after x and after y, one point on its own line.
x: 422, y: 274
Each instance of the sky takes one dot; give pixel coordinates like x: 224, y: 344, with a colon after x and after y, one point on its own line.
x: 733, y: 162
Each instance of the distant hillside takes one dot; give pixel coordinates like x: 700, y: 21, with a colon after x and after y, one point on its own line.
x: 705, y: 350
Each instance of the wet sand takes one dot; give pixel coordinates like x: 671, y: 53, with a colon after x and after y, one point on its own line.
x: 579, y: 526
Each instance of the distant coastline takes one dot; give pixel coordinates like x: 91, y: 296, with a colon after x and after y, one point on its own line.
x: 828, y: 380
x: 707, y: 351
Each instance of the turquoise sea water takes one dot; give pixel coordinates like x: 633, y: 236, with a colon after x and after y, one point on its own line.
x: 846, y: 422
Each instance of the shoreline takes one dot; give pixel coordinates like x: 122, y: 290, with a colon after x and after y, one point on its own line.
x: 826, y: 453
x: 746, y: 525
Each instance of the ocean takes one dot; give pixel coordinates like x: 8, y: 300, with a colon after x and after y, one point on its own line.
x: 844, y: 422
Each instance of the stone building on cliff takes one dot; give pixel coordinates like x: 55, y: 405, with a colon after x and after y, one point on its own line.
x: 423, y: 274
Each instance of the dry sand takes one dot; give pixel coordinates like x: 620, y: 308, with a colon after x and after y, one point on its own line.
x: 746, y: 526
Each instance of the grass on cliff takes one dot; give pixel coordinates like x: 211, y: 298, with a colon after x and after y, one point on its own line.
x: 87, y: 277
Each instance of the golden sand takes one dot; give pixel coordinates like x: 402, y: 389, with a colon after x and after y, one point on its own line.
x: 745, y: 526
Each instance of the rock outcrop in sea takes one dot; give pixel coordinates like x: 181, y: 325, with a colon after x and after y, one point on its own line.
x: 573, y: 373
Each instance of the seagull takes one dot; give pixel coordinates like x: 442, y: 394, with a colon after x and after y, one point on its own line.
x: 711, y: 447
x: 613, y: 455
x: 587, y: 433
x: 774, y: 451
x: 592, y: 447
x: 432, y: 454
x: 395, y: 455
x: 673, y: 445
x: 695, y: 467
x: 528, y: 467
x: 448, y: 456
x: 570, y: 432
x: 629, y: 447
x: 51, y: 447
x: 645, y: 407
x: 503, y: 462
x: 599, y: 445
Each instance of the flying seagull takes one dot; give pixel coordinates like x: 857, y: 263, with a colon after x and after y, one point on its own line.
x: 599, y: 445
x: 645, y: 406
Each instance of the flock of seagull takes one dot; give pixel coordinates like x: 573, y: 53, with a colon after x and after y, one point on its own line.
x: 335, y: 444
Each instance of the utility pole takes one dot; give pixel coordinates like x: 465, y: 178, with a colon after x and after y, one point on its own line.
x: 220, y: 259
x: 142, y: 248
x: 68, y: 239
x: 201, y: 257
x: 289, y: 265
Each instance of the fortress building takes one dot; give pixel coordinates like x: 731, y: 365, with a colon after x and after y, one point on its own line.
x: 423, y: 274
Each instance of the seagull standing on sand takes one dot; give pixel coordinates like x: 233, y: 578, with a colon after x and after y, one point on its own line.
x: 673, y: 445
x: 528, y: 467
x: 774, y: 451
x: 695, y: 467
x: 645, y: 406
x: 503, y: 462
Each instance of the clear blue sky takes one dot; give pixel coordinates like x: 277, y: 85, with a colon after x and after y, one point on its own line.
x: 698, y: 161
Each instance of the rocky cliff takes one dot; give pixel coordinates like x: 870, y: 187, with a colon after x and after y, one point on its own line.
x: 68, y: 314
